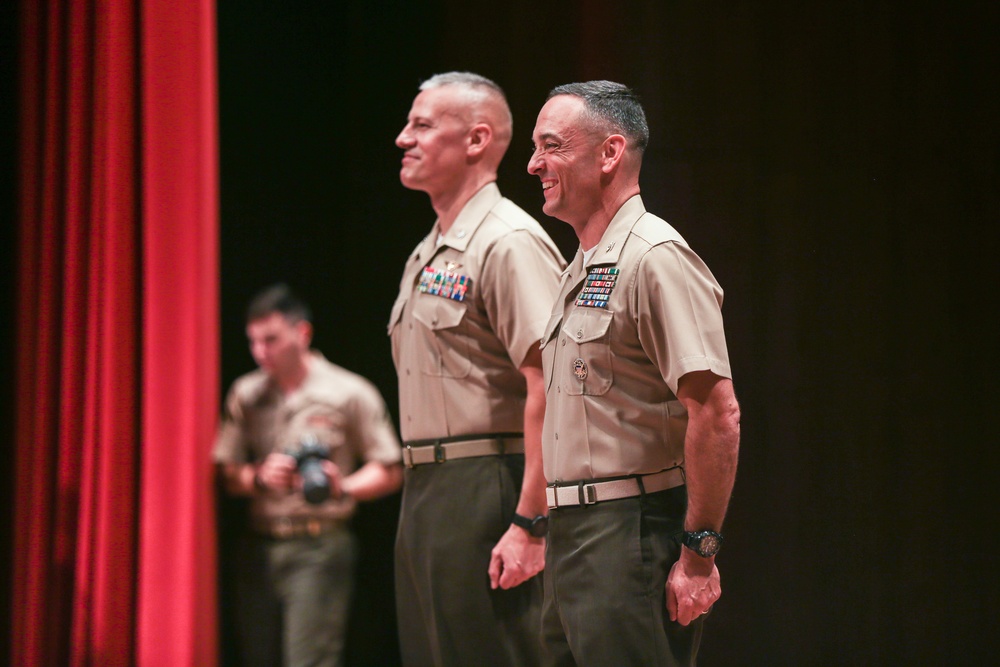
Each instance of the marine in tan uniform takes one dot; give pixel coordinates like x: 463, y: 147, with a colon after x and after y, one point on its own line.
x: 474, y: 297
x: 641, y: 425
x: 295, y: 403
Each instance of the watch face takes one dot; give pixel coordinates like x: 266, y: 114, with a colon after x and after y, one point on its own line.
x: 709, y: 545
x: 706, y: 543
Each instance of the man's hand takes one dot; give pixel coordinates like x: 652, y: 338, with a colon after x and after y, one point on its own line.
x: 278, y: 472
x: 693, y: 586
x: 516, y: 558
x: 332, y: 471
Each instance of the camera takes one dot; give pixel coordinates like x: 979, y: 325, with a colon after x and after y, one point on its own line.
x: 308, y: 458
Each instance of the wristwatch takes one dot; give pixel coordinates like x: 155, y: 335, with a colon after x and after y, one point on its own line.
x: 536, y: 527
x: 705, y: 543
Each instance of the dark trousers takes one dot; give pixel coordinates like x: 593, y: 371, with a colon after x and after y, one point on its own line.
x: 294, y: 599
x: 606, y: 568
x: 452, y: 515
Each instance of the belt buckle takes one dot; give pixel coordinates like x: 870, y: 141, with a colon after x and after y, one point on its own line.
x: 282, y: 528
x: 439, y: 453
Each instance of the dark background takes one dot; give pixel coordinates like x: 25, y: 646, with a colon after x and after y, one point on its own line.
x: 837, y: 167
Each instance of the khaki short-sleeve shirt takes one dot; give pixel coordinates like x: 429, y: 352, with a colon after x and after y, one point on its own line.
x: 469, y: 309
x: 643, y: 312
x: 340, y: 409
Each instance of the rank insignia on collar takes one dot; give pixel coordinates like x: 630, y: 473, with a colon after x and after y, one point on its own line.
x: 447, y: 284
x: 597, y: 290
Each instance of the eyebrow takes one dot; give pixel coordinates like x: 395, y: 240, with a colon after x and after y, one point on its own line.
x: 547, y: 135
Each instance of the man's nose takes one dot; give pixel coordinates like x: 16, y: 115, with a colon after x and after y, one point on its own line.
x: 404, y: 140
x: 534, y: 163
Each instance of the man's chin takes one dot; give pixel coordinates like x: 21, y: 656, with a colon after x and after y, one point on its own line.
x: 408, y: 181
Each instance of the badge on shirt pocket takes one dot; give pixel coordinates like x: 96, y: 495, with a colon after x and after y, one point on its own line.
x: 588, y: 367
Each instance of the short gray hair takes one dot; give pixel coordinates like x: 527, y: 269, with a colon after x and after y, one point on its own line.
x: 611, y: 106
x: 467, y: 79
x: 477, y: 85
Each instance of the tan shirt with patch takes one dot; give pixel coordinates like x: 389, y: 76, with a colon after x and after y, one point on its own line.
x: 342, y: 410
x: 643, y: 312
x: 469, y: 308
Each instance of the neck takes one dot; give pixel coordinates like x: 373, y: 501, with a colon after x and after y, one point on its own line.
x: 293, y: 378
x: 449, y: 204
x: 592, y: 229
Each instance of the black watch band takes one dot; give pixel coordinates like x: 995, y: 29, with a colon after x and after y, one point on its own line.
x: 536, y: 527
x: 705, y: 543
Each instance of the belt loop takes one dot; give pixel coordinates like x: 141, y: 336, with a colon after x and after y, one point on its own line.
x: 555, y: 496
x: 642, y: 489
x: 579, y: 488
x: 502, y: 446
x: 408, y: 455
x: 439, y: 456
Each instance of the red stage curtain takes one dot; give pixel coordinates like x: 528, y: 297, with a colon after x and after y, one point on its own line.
x: 116, y: 335
x: 177, y: 602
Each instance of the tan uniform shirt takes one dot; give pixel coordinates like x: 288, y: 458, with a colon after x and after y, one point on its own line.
x: 643, y: 312
x: 468, y: 310
x: 343, y: 410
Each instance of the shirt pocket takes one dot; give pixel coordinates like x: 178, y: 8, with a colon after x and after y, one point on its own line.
x: 446, y: 353
x: 587, y: 339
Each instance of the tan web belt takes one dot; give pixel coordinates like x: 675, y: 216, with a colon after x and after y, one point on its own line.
x: 284, y: 528
x: 588, y: 493
x: 420, y: 452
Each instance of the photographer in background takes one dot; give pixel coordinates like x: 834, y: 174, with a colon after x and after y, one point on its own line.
x: 298, y: 417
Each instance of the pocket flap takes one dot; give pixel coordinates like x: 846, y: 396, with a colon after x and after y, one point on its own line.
x: 436, y: 312
x: 586, y: 324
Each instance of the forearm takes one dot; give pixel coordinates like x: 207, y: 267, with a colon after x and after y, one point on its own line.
x: 532, y: 500
x: 710, y: 466
x: 373, y: 480
x: 711, y: 450
x: 238, y: 478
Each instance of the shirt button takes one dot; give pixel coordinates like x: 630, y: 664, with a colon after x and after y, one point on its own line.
x: 557, y: 436
x: 579, y: 334
x: 563, y: 341
x: 407, y: 371
x: 434, y: 321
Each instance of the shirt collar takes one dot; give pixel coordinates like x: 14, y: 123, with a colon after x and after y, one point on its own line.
x: 470, y: 218
x: 613, y: 240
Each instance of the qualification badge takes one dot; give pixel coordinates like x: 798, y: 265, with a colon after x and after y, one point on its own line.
x: 580, y: 369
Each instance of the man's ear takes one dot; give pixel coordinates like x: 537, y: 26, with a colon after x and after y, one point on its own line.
x: 479, y: 138
x: 305, y: 331
x: 612, y: 152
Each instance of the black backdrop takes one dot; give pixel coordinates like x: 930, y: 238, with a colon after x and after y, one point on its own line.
x: 837, y: 167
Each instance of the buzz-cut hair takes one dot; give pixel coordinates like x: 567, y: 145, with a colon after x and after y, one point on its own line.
x: 468, y: 79
x: 279, y: 299
x: 478, y: 87
x: 612, y: 106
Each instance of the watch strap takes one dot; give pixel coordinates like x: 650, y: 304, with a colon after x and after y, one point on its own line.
x: 536, y: 527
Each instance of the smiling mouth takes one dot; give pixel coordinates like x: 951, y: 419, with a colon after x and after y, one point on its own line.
x: 548, y: 185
